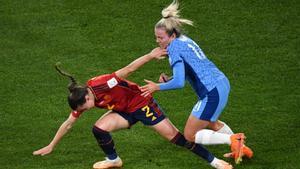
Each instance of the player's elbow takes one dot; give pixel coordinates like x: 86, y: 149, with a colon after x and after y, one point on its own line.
x: 69, y: 126
x: 124, y: 72
x: 180, y: 84
x: 127, y: 71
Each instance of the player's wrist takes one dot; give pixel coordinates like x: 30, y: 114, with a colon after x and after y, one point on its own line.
x: 157, y: 87
x: 150, y: 56
x: 51, y: 145
x: 160, y: 86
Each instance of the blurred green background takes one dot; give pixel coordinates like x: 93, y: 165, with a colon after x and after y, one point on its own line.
x: 254, y: 42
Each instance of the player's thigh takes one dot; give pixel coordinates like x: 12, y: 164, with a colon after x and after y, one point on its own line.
x: 111, y: 121
x: 193, y: 125
x: 166, y: 129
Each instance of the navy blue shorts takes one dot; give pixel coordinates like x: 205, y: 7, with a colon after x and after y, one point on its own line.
x: 212, y: 105
x: 149, y: 115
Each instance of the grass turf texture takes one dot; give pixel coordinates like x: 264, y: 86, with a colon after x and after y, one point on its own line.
x: 256, y: 44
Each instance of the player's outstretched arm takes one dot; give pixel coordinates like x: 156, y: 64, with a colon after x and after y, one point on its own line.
x: 156, y: 53
x: 63, y: 129
x: 176, y: 82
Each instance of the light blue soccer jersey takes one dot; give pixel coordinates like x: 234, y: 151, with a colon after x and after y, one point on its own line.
x: 201, y: 73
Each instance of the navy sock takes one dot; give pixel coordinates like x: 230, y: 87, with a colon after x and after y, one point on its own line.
x: 105, y: 142
x: 198, y: 149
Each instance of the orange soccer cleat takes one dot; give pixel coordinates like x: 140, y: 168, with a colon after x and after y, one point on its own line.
x: 237, y: 144
x: 238, y: 148
x: 246, y: 151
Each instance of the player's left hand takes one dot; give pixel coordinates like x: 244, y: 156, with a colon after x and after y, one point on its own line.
x: 149, y: 88
x: 43, y: 151
x: 228, y: 155
x: 163, y: 78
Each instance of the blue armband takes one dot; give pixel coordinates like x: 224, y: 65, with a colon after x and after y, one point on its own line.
x: 178, y: 78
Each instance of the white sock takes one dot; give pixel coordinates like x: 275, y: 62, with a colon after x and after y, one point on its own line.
x: 225, y: 129
x: 209, y: 137
x: 214, y: 162
x: 113, y: 160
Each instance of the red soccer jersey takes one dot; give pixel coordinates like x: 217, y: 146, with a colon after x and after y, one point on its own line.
x: 114, y: 93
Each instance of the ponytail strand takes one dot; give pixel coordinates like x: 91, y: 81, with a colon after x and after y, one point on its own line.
x: 73, y: 83
x: 171, y: 20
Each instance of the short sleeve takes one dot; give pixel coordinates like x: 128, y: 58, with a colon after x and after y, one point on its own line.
x: 106, y: 81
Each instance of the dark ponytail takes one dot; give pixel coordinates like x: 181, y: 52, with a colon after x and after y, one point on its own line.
x: 73, y: 83
x: 77, y: 93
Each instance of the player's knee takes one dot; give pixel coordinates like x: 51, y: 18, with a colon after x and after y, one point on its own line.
x: 180, y: 140
x: 102, y: 136
x: 189, y: 137
x: 102, y: 124
x: 216, y: 125
x: 99, y: 133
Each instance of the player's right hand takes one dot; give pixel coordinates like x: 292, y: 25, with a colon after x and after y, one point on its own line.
x: 43, y: 151
x: 149, y: 88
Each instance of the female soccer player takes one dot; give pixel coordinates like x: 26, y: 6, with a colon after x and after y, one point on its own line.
x: 126, y: 107
x: 212, y: 87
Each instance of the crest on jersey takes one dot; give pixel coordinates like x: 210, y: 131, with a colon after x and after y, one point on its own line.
x: 112, y: 82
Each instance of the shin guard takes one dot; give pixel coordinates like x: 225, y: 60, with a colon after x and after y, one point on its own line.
x: 105, y: 142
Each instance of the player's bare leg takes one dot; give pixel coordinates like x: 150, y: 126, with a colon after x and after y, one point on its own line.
x: 166, y: 129
x: 107, y: 123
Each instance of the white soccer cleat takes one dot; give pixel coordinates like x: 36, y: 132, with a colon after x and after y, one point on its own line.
x: 107, y: 163
x: 223, y: 165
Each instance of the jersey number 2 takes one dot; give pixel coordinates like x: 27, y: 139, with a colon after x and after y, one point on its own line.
x: 148, y: 113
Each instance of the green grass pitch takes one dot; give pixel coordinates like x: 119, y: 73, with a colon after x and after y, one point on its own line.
x: 254, y: 42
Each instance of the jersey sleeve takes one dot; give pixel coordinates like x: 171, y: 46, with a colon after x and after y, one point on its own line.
x: 177, y: 80
x: 105, y: 81
x: 174, y: 52
x: 76, y: 114
x: 115, y: 76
